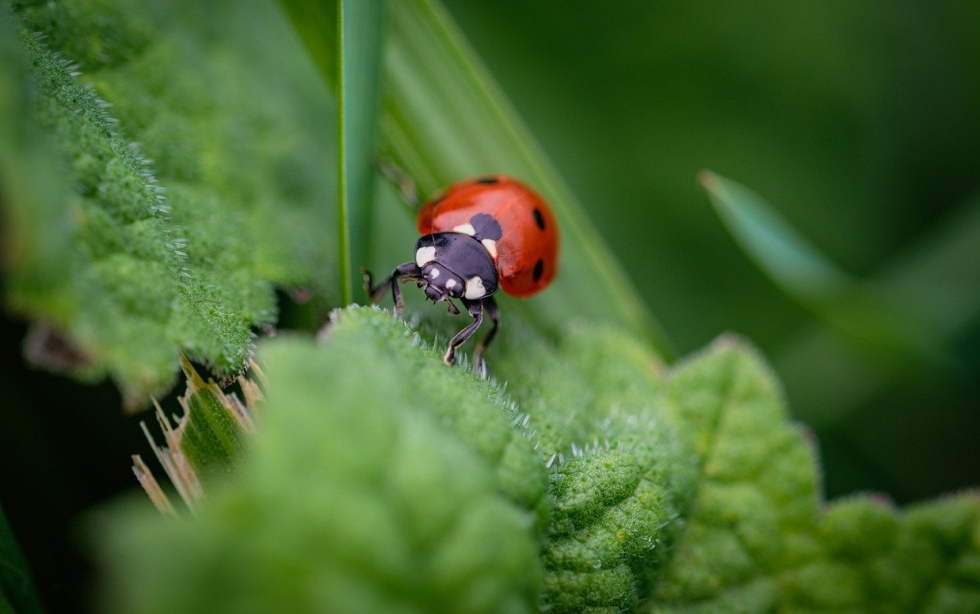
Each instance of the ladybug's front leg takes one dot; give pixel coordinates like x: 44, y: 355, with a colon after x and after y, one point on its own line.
x: 475, y: 309
x: 403, y: 272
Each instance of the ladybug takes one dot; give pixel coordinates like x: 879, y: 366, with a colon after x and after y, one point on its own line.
x: 479, y: 235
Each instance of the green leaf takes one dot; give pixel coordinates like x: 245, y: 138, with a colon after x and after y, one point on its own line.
x: 359, y: 50
x: 173, y: 246
x: 17, y: 592
x: 859, y: 311
x: 381, y: 482
x: 35, y: 248
x: 757, y: 539
x: 772, y: 243
x: 443, y: 118
x: 618, y: 484
x: 204, y: 444
x: 938, y: 278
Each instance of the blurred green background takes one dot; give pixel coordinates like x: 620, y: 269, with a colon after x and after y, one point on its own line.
x: 858, y: 120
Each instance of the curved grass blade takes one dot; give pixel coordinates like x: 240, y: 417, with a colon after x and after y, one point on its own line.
x: 359, y: 27
x: 860, y: 311
x: 939, y: 278
x: 774, y: 245
x: 17, y: 592
x: 443, y: 118
x: 316, y: 23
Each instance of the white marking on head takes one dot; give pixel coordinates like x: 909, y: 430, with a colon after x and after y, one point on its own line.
x: 425, y: 255
x: 450, y: 283
x: 491, y: 246
x: 474, y: 288
x: 433, y: 273
x: 466, y: 229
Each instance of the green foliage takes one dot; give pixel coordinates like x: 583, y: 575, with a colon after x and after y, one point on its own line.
x: 618, y: 484
x: 381, y: 482
x: 378, y: 470
x: 211, y: 435
x: 17, y: 592
x: 359, y: 50
x: 757, y: 538
x: 176, y: 251
x: 442, y: 119
x: 868, y: 315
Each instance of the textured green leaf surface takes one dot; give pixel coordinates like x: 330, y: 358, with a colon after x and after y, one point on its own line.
x: 381, y: 482
x: 175, y: 244
x: 758, y: 539
x: 384, y: 481
x: 619, y: 479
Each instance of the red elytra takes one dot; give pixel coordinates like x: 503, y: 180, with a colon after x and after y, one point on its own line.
x: 526, y: 255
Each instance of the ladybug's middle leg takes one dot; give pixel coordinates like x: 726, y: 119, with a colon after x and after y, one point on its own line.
x: 490, y: 306
x: 403, y: 272
x: 475, y: 309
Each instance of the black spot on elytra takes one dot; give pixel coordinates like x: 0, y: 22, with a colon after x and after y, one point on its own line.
x: 487, y: 180
x: 485, y: 227
x: 538, y: 219
x: 538, y: 270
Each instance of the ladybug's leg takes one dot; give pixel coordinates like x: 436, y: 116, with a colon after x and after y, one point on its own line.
x: 475, y: 309
x: 403, y: 272
x: 453, y: 309
x: 490, y: 306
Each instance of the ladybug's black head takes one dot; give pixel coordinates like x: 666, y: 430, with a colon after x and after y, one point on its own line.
x: 455, y: 265
x: 440, y: 283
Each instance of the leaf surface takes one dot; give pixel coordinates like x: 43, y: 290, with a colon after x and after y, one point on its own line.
x: 172, y: 245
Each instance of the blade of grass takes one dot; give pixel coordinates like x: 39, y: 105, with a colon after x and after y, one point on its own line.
x: 315, y: 21
x: 775, y: 246
x: 443, y: 118
x: 359, y: 25
x: 16, y: 586
x: 863, y: 312
x: 939, y: 277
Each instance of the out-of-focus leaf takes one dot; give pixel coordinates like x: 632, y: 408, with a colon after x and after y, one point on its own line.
x: 443, y: 118
x: 316, y: 23
x: 775, y: 246
x: 938, y: 278
x: 34, y: 248
x: 864, y: 313
x: 17, y: 592
x: 176, y: 251
x: 359, y: 50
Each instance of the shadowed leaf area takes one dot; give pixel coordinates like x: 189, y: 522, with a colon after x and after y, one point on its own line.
x: 182, y: 167
x: 382, y: 481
